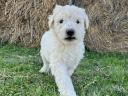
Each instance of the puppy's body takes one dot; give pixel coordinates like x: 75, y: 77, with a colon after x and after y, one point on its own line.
x: 55, y: 51
x: 62, y: 46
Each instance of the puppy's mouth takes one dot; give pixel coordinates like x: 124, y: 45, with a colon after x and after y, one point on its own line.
x: 70, y: 38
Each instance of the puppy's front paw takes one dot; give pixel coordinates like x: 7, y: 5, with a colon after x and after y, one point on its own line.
x: 44, y: 70
x: 72, y: 94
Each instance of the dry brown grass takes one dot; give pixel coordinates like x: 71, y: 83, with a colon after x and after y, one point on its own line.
x: 24, y: 21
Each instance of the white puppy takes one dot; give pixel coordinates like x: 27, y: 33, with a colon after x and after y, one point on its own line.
x: 62, y: 46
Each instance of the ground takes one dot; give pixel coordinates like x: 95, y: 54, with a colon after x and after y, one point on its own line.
x: 99, y: 74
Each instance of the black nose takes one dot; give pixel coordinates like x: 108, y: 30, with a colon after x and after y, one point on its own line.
x: 70, y: 32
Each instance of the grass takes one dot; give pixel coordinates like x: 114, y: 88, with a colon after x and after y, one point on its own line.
x: 98, y: 74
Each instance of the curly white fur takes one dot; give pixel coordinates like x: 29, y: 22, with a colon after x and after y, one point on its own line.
x: 59, y: 55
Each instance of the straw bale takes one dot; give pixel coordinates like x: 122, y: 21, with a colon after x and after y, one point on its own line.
x: 109, y: 26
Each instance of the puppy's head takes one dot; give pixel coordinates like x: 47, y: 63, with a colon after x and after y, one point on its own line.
x: 69, y: 23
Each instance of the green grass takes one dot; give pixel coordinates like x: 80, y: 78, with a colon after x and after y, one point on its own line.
x: 97, y: 75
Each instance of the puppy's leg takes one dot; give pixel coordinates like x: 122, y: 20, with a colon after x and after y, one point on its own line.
x: 45, y: 68
x: 62, y: 79
x: 71, y: 70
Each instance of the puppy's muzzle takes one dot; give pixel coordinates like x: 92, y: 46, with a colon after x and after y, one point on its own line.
x: 70, y: 35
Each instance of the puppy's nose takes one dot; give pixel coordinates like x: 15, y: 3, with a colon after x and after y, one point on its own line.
x: 70, y: 32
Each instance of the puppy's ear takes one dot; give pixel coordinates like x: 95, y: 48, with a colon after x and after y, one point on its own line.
x: 86, y: 19
x: 50, y: 21
x: 57, y: 8
x: 51, y: 17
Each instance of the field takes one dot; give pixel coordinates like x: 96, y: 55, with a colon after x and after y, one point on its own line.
x: 99, y: 74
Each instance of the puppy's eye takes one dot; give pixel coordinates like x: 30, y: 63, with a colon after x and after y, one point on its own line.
x: 61, y: 21
x: 77, y: 21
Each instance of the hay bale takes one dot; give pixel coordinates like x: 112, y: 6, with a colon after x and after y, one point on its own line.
x: 109, y: 26
x: 3, y: 24
x: 25, y: 20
